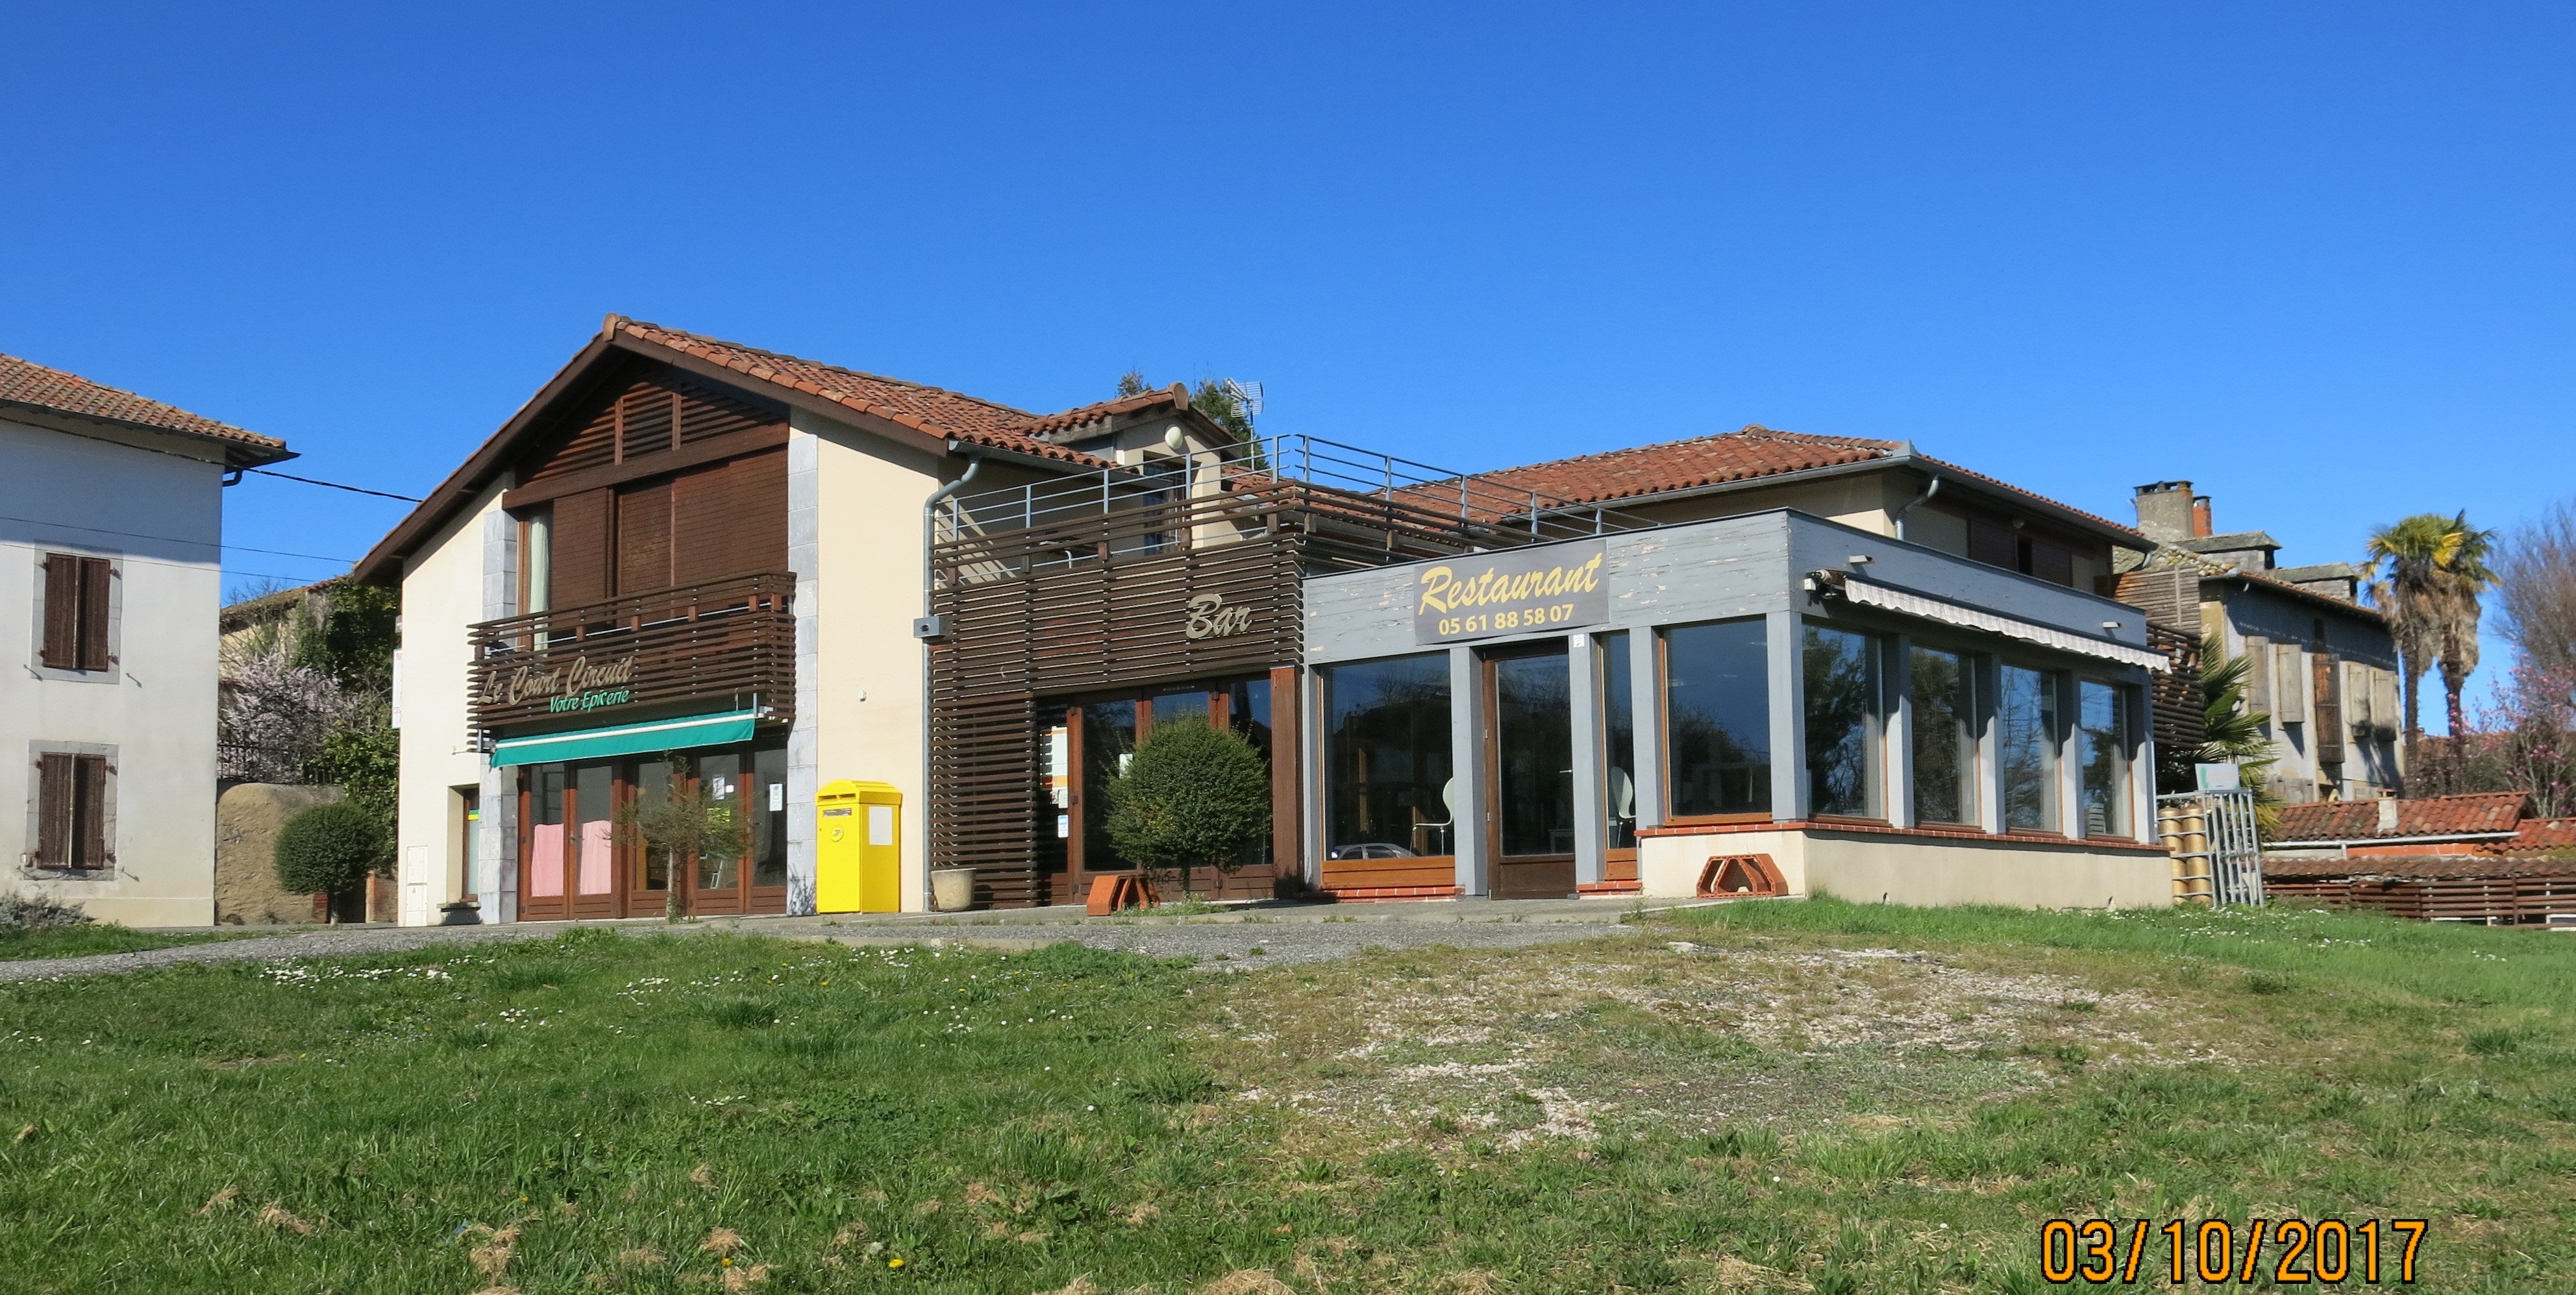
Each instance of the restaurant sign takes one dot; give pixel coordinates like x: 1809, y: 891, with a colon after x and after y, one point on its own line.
x: 573, y: 687
x: 1511, y: 591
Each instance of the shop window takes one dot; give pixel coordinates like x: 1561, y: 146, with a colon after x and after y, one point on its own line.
x: 1944, y: 736
x: 720, y: 784
x: 769, y: 816
x: 1179, y: 705
x: 1842, y: 687
x: 1717, y: 720
x: 1108, y: 745
x: 1247, y: 713
x: 2026, y: 747
x: 594, y: 803
x: 546, y: 833
x: 1619, y: 734
x: 652, y: 787
x: 2102, y: 757
x: 1388, y: 767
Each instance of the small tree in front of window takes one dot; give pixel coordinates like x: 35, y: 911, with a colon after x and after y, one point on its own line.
x: 681, y: 824
x: 1192, y: 795
x: 330, y: 849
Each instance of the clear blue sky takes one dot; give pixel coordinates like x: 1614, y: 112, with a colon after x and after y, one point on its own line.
x: 2320, y: 259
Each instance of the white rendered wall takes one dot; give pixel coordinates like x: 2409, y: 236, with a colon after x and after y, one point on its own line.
x: 159, y: 517
x: 444, y: 591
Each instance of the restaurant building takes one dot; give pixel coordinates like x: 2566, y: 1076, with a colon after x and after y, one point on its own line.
x: 1758, y: 662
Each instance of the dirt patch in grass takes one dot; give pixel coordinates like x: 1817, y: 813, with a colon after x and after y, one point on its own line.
x: 1505, y: 1050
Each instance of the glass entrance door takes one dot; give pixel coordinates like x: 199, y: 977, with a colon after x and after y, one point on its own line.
x: 1529, y: 747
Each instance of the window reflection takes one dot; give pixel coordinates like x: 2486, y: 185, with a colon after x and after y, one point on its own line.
x: 1717, y: 712
x: 1619, y: 731
x: 2102, y: 757
x: 1842, y: 718
x: 2026, y: 746
x: 1945, y: 753
x: 1387, y: 759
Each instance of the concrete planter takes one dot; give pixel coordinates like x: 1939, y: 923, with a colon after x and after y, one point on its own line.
x: 952, y: 890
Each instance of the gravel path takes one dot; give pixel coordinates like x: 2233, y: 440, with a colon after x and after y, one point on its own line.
x: 1219, y: 944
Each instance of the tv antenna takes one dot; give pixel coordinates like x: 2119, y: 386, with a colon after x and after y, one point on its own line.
x: 1246, y: 397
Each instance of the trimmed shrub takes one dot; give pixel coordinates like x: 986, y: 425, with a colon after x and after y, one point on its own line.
x: 330, y: 848
x: 1192, y: 795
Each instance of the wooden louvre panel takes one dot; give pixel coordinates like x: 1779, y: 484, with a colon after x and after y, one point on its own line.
x: 96, y: 578
x: 2052, y: 561
x: 591, y: 444
x: 644, y: 537
x: 54, y: 818
x: 2329, y: 706
x: 730, y: 519
x: 647, y: 421
x: 2289, y: 691
x: 1994, y: 544
x: 706, y: 414
x: 580, y: 539
x: 62, y: 611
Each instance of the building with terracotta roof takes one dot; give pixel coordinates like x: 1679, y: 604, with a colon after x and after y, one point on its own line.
x: 2324, y: 666
x: 111, y: 546
x: 899, y: 631
x: 2481, y: 856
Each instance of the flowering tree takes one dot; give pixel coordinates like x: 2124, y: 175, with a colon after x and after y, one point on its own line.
x: 276, y: 715
x: 2530, y: 739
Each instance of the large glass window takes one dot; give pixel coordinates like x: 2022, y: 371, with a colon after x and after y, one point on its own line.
x: 1534, y: 755
x: 1247, y: 712
x: 2026, y: 746
x: 1619, y: 730
x: 546, y: 842
x: 1180, y: 705
x: 1717, y: 719
x: 652, y: 787
x: 1944, y: 736
x: 1842, y: 723
x: 595, y: 801
x: 1387, y: 761
x: 2102, y: 756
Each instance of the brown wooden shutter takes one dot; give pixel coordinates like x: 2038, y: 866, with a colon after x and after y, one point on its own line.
x: 2052, y: 562
x: 91, y: 777
x: 2329, y: 723
x: 1993, y: 544
x: 54, y: 787
x: 2258, y: 674
x: 644, y: 538
x: 62, y: 612
x: 95, y: 575
x: 580, y: 539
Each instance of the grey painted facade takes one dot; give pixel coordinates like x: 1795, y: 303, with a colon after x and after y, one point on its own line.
x: 1742, y: 567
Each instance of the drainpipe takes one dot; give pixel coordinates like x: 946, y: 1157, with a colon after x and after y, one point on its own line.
x: 929, y: 573
x: 1919, y: 501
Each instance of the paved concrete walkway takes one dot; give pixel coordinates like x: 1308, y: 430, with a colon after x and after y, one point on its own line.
x: 1233, y: 937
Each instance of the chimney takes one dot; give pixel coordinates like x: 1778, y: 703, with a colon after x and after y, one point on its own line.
x: 2200, y: 526
x: 2388, y: 816
x: 2165, y: 511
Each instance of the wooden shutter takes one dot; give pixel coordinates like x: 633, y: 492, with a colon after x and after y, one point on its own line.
x: 54, y: 784
x: 2052, y: 562
x: 62, y: 612
x: 1994, y: 544
x: 2383, y: 703
x: 580, y: 559
x: 2328, y: 679
x: 644, y: 538
x: 95, y: 575
x: 2289, y: 690
x: 2258, y: 674
x: 704, y: 513
x: 90, y: 815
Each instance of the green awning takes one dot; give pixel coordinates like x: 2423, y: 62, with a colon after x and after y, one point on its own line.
x: 626, y: 739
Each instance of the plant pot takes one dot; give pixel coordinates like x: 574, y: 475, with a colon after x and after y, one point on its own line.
x: 952, y: 890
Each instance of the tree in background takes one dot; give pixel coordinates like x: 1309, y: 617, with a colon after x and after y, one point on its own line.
x: 1192, y: 794
x: 2427, y: 572
x: 330, y: 849
x: 2535, y: 583
x: 1215, y: 399
x: 352, y: 645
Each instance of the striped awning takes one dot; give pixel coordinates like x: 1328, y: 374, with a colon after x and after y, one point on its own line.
x: 626, y: 739
x: 1866, y: 594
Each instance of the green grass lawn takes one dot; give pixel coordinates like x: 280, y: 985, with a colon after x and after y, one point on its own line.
x: 1775, y: 1104
x: 18, y: 943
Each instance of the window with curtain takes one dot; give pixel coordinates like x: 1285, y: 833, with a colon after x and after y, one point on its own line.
x: 1841, y: 679
x: 1717, y: 719
x: 1944, y: 736
x: 2026, y: 747
x: 2102, y: 757
x: 1387, y: 762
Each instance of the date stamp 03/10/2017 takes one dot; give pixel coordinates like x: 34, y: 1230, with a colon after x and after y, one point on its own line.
x: 2099, y: 1252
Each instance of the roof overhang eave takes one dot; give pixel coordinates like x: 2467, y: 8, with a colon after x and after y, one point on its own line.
x: 235, y: 454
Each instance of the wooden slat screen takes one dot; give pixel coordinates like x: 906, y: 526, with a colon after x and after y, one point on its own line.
x: 644, y: 538
x: 724, y: 643
x: 640, y: 415
x: 647, y: 422
x: 2174, y: 701
x: 2513, y: 901
x: 580, y: 534
x: 730, y: 519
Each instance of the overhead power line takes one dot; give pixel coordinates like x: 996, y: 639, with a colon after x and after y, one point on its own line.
x: 355, y: 490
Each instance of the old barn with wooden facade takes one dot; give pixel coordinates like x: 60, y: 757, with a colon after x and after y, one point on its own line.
x: 1757, y: 662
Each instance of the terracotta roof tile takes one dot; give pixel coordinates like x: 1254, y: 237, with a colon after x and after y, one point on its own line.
x: 2357, y: 820
x: 32, y: 385
x: 1748, y: 454
x: 2416, y: 867
x: 1175, y: 397
x: 2541, y: 834
x: 934, y: 411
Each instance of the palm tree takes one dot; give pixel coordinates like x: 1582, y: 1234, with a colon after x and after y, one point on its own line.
x: 2426, y: 574
x: 2232, y: 731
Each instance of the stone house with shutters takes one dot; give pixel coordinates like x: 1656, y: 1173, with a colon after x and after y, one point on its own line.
x: 2324, y: 666
x: 111, y: 533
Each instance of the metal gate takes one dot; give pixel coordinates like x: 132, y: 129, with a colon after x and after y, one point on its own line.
x: 2216, y: 857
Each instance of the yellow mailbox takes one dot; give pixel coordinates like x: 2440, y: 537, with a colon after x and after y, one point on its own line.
x: 859, y: 866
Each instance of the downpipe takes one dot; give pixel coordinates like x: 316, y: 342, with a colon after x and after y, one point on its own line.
x: 929, y: 574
